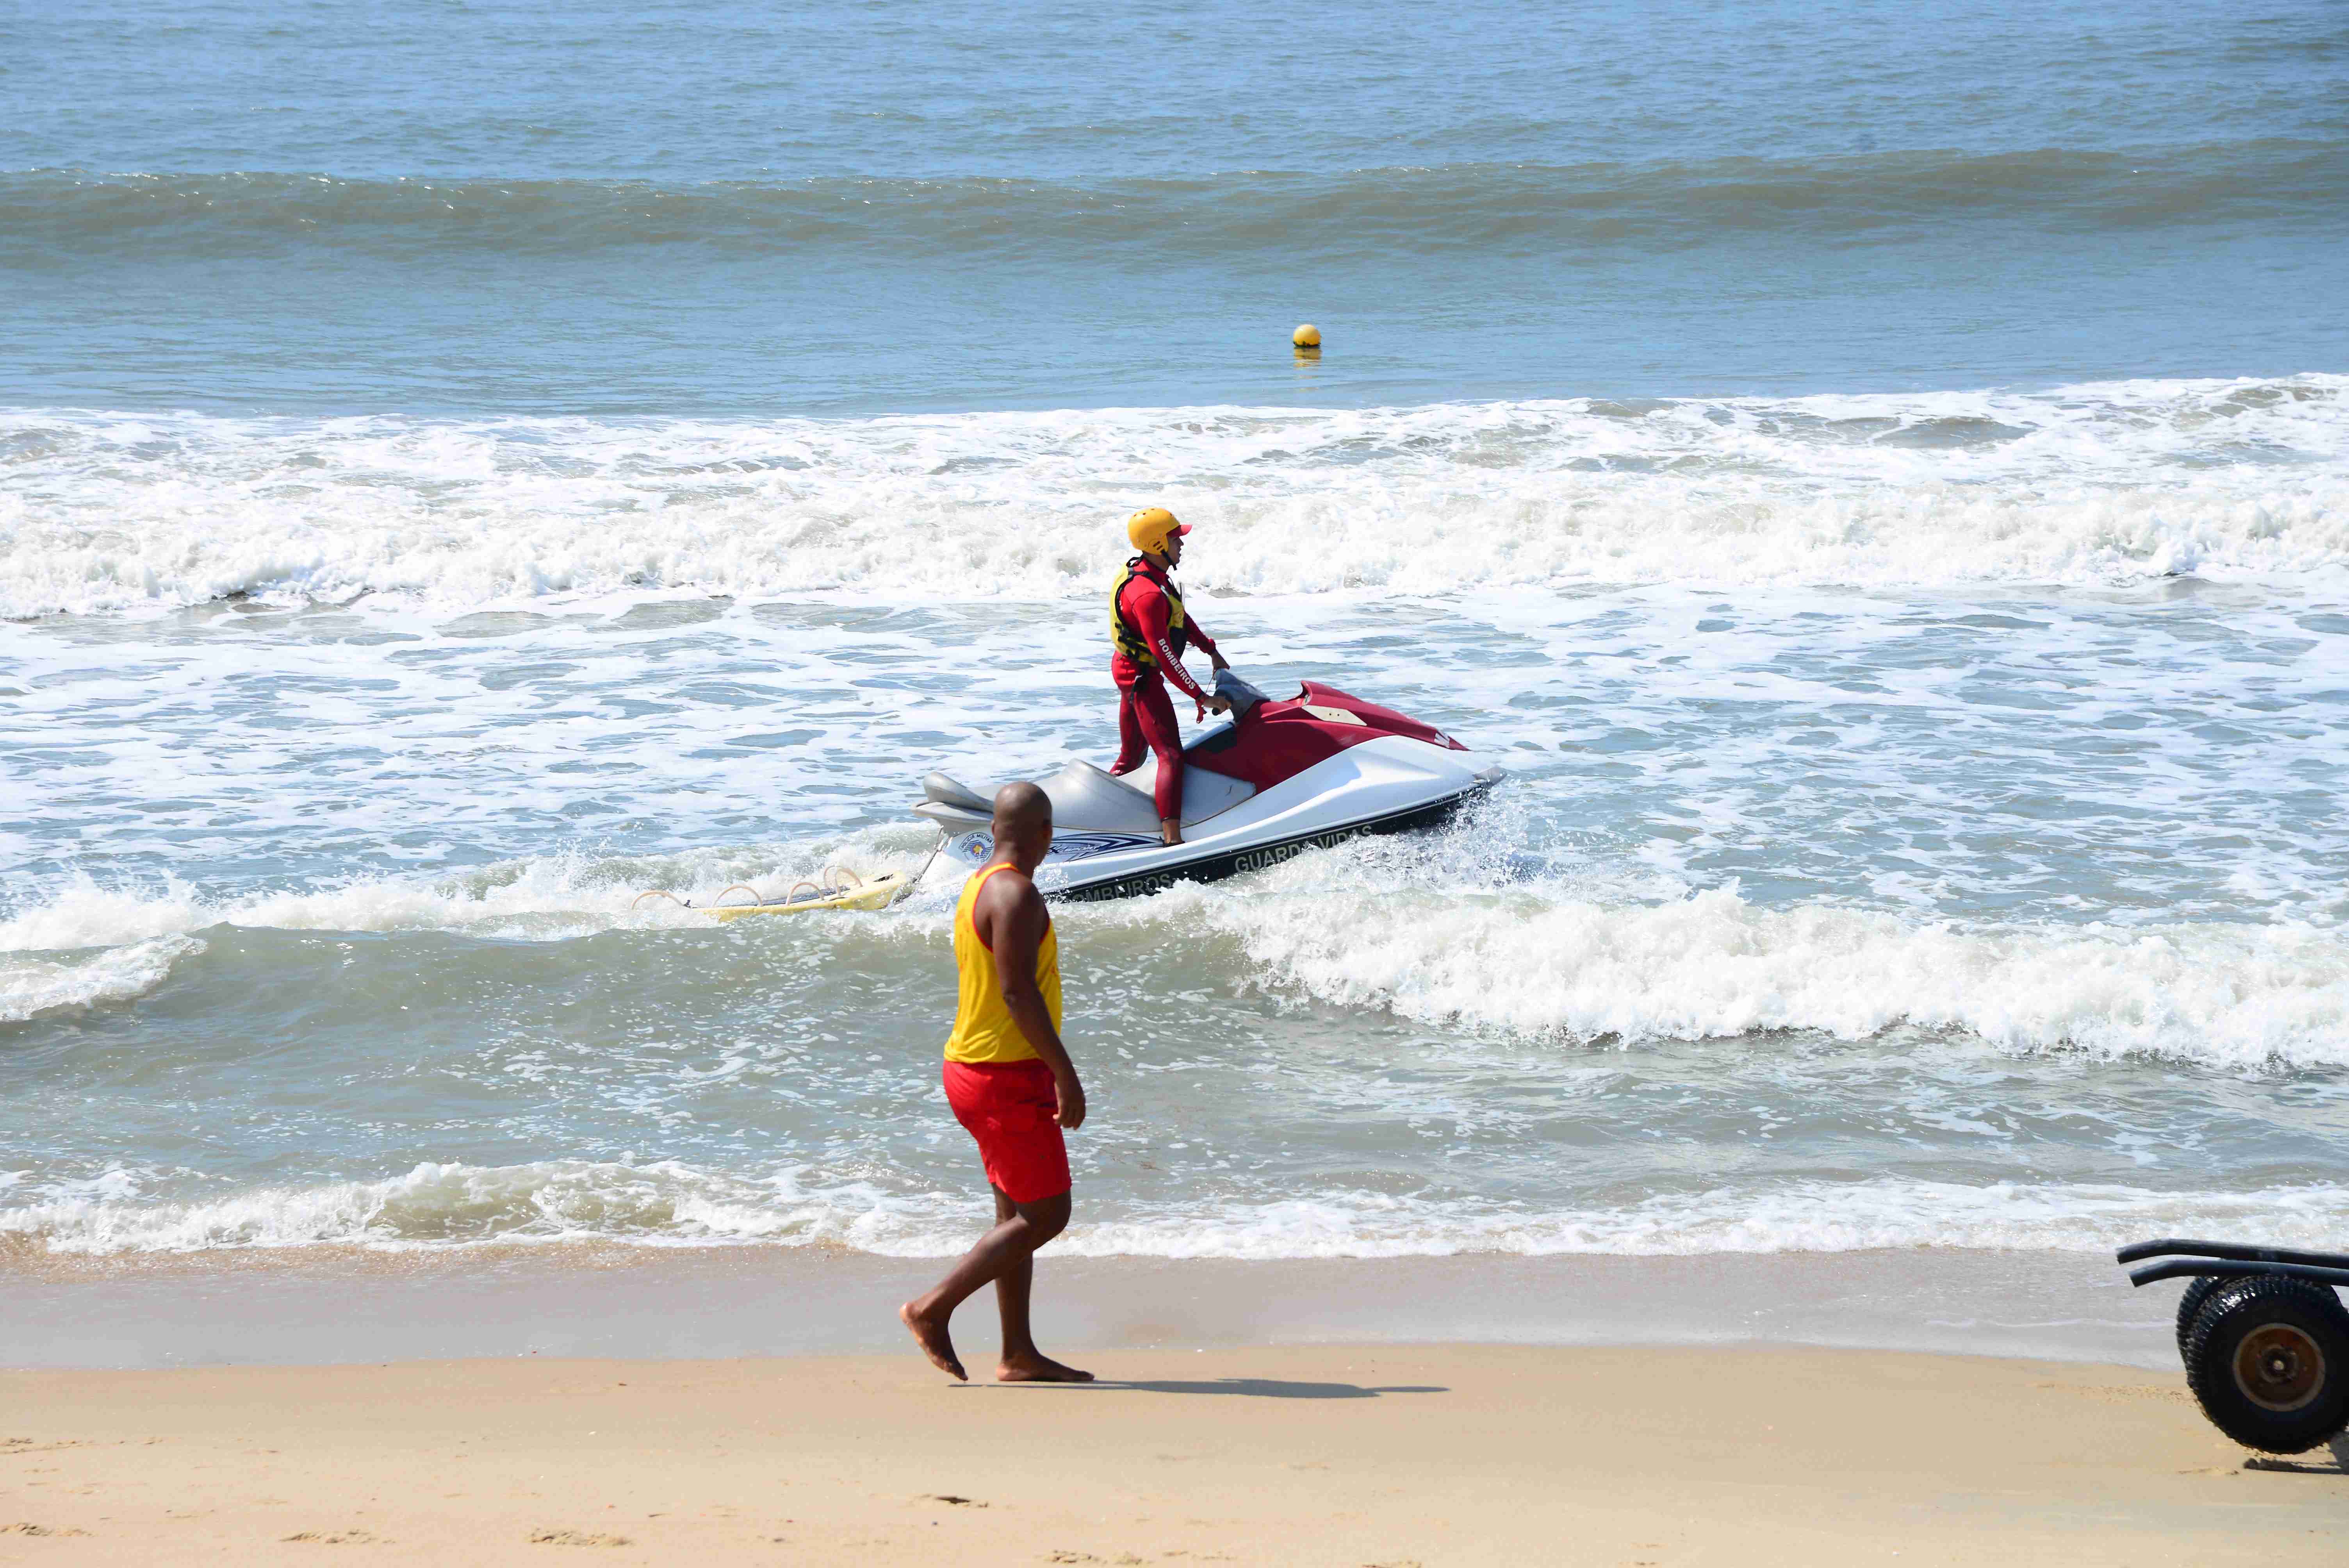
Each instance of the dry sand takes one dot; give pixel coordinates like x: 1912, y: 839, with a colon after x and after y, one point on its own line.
x: 1343, y: 1456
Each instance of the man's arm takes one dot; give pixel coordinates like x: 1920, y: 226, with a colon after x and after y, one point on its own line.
x: 1149, y: 610
x: 1011, y: 916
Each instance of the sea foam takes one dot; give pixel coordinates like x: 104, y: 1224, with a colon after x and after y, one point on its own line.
x: 31, y: 983
x: 549, y: 898
x: 2114, y: 482
x: 672, y: 1203
x: 1549, y: 959
x: 1710, y: 964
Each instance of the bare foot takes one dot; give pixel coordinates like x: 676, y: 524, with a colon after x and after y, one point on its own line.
x: 1038, y: 1368
x: 932, y: 1337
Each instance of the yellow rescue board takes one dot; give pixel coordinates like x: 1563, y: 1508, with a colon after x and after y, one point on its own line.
x: 878, y: 893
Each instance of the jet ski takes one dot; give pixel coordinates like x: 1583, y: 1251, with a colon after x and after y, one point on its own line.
x: 1283, y: 777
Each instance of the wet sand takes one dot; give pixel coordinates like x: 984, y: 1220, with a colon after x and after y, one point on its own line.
x: 301, y: 1307
x: 1433, y: 1455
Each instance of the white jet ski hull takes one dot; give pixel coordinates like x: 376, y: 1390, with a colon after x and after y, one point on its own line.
x: 1388, y: 785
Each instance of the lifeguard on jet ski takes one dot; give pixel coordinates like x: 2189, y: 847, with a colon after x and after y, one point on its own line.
x: 1283, y: 777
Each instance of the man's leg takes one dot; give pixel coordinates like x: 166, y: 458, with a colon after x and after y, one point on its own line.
x: 1153, y: 711
x: 1022, y: 1362
x: 1131, y: 748
x: 1019, y: 1230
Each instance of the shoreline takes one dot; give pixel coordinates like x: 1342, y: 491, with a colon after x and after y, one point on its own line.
x: 1313, y: 1456
x: 330, y: 1306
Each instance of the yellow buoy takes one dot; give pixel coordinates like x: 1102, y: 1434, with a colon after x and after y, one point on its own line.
x: 1307, y: 336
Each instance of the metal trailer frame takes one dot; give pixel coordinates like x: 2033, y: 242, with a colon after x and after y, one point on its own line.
x: 2232, y: 1260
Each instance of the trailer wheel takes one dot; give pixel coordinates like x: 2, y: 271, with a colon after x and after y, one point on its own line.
x: 2268, y: 1359
x: 2199, y: 1292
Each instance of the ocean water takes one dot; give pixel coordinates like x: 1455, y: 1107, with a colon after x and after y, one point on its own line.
x: 1878, y: 480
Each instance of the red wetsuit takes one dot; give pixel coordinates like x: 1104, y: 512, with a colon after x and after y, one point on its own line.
x: 1145, y: 714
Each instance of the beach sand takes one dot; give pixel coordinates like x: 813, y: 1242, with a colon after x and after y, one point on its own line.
x: 1341, y: 1455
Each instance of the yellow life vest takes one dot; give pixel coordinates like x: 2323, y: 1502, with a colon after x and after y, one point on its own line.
x: 984, y: 1029
x: 1127, y: 636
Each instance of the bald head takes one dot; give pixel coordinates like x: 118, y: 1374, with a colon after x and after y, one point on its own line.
x: 1023, y: 823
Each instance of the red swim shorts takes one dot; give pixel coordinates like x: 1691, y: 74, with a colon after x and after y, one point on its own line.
x: 1011, y: 1109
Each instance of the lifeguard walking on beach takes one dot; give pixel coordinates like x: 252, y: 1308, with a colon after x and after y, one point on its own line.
x: 1012, y: 1086
x: 1149, y: 631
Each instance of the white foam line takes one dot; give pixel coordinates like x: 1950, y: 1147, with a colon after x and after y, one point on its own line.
x: 1364, y: 927
x: 552, y: 899
x: 669, y: 1203
x: 1710, y: 964
x: 2122, y: 482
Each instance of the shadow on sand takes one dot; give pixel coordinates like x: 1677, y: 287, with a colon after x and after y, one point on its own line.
x: 2339, y: 1447
x: 1250, y: 1387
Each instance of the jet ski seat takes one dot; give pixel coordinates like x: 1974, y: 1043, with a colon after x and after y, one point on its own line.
x: 1085, y: 800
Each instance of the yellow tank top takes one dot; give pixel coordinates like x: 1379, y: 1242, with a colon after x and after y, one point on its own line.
x: 984, y: 1029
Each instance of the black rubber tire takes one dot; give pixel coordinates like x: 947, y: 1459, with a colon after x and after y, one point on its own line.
x: 2199, y: 1291
x: 2309, y: 1336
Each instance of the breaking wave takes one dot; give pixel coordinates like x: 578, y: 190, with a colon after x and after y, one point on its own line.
x: 553, y: 898
x: 1712, y: 965
x: 2111, y: 483
x: 669, y: 1203
x: 1540, y: 960
x: 31, y: 983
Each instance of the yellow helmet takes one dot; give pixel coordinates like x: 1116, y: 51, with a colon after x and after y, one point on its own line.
x: 1149, y: 528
